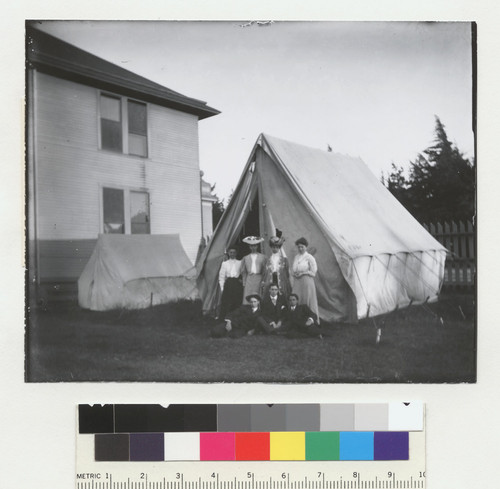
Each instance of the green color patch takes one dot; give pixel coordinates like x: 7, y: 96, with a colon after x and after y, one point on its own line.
x: 322, y: 445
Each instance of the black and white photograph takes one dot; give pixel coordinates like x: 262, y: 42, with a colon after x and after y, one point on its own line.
x: 251, y: 201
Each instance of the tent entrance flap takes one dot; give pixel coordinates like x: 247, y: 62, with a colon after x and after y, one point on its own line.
x: 251, y: 227
x: 240, y: 216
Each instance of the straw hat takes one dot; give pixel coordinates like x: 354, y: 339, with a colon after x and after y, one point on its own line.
x: 253, y: 240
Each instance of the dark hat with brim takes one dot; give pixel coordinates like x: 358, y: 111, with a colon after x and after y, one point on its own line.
x: 253, y: 296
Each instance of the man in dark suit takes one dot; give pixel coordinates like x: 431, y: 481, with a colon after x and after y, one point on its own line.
x: 240, y: 322
x: 299, y: 320
x: 273, y: 310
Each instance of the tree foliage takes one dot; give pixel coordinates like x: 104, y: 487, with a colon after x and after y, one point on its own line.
x: 440, y: 184
x: 218, y: 209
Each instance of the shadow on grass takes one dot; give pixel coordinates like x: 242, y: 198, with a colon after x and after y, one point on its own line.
x: 170, y: 343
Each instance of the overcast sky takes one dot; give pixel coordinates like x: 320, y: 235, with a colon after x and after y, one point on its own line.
x: 367, y: 89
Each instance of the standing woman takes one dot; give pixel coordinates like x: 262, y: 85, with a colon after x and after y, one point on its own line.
x: 304, y: 270
x: 277, y: 268
x: 252, y: 268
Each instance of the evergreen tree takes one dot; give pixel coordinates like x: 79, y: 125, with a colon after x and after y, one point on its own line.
x: 441, y: 182
x: 217, y: 210
x: 398, y: 184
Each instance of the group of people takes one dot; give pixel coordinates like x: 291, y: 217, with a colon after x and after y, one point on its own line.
x: 262, y: 295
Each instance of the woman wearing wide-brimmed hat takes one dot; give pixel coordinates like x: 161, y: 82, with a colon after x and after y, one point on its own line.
x: 304, y: 270
x: 252, y: 268
x: 277, y: 268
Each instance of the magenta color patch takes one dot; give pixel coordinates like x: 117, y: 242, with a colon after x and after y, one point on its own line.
x: 217, y: 446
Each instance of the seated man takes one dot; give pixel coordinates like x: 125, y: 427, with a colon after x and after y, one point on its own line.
x: 299, y: 320
x: 273, y: 310
x: 240, y: 322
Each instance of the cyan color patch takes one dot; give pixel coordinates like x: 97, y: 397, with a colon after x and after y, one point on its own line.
x: 356, y: 445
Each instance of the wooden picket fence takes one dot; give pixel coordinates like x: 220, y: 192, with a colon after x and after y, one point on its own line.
x: 459, y: 239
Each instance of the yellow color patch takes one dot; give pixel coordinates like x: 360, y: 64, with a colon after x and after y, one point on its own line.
x: 288, y: 445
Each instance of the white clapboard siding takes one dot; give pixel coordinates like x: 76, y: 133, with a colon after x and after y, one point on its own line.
x: 173, y: 208
x: 71, y: 169
x: 66, y: 112
x: 173, y: 136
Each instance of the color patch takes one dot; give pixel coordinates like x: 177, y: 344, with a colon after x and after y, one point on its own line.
x: 217, y: 446
x: 146, y: 418
x: 95, y: 419
x: 265, y: 417
x: 356, y: 445
x: 233, y: 417
x: 111, y: 448
x: 288, y: 445
x: 147, y: 447
x: 252, y: 446
x: 390, y: 445
x: 200, y: 417
x: 406, y: 416
x: 302, y: 417
x: 322, y: 445
x: 182, y: 446
x: 337, y: 417
x: 371, y: 417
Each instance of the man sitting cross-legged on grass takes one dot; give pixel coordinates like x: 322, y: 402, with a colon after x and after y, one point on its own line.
x: 240, y: 322
x: 299, y: 320
x: 273, y: 311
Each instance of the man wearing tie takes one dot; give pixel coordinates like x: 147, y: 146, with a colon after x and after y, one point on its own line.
x: 299, y: 320
x: 273, y: 311
x: 230, y: 283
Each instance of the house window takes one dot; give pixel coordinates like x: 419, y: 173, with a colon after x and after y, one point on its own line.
x: 125, y: 211
x: 137, y: 128
x: 124, y: 125
x: 111, y: 123
x: 139, y: 213
x: 113, y: 211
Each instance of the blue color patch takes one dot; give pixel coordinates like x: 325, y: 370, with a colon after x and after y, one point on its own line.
x: 356, y: 445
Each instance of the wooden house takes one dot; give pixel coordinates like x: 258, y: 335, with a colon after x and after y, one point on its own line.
x: 108, y: 151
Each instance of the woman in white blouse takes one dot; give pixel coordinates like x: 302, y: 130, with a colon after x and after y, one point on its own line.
x: 304, y: 270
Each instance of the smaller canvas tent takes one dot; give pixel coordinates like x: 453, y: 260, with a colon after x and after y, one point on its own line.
x: 136, y: 271
x: 372, y: 255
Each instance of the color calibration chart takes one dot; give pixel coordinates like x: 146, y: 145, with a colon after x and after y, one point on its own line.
x: 251, y: 446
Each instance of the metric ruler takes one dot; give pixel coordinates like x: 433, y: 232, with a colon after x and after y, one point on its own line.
x: 252, y: 475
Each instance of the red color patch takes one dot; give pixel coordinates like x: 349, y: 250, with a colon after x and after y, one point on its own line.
x: 252, y: 446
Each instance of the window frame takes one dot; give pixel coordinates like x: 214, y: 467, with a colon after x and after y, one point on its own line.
x: 124, y: 123
x: 126, y: 203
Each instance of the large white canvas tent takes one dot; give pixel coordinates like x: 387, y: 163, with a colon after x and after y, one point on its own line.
x: 372, y: 255
x: 136, y: 271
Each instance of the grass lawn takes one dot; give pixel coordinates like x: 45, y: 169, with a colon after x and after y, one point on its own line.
x: 171, y: 343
